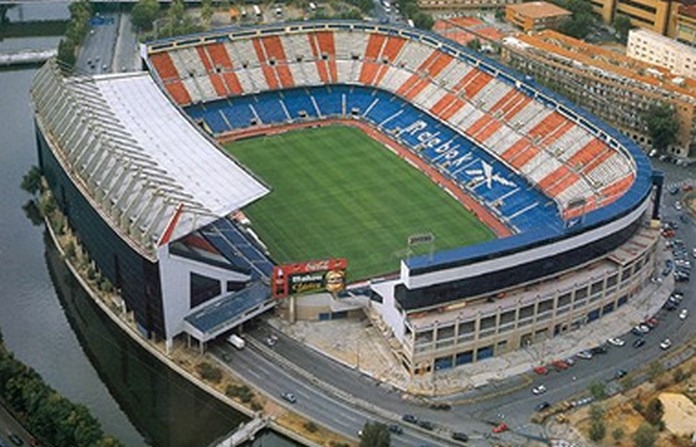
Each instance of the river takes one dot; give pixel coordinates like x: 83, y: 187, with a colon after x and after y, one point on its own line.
x: 50, y: 324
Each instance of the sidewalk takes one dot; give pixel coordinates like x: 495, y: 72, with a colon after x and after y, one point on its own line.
x: 360, y: 345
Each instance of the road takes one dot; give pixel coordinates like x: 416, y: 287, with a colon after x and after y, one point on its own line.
x: 110, y: 46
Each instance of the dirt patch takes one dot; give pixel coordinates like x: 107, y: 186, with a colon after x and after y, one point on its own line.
x: 680, y: 413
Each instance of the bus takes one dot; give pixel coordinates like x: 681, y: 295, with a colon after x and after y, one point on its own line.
x: 257, y: 11
x: 386, y: 5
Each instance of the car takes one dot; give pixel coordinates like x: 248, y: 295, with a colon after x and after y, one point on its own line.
x: 560, y: 365
x: 570, y: 361
x: 411, y: 419
x: 395, y: 428
x: 460, y: 436
x: 616, y: 341
x: 500, y: 428
x: 599, y: 350
x: 652, y: 322
x: 674, y: 190
x: 289, y: 397
x: 541, y: 370
x: 683, y: 314
x: 542, y: 406
x: 666, y: 344
x: 639, y: 342
x: 670, y: 306
x: 427, y: 425
x: 693, y: 252
x: 678, y: 205
x: 16, y: 440
x: 620, y: 373
x: 539, y: 389
x: 585, y: 355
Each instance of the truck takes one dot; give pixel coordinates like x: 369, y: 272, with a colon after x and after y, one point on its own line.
x: 236, y: 341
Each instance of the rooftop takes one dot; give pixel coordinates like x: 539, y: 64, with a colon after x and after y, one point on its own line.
x: 603, y: 60
x: 538, y: 10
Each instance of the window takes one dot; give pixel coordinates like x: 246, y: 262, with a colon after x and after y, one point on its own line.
x: 202, y: 289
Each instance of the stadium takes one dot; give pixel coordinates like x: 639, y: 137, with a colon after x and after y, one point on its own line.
x: 472, y: 210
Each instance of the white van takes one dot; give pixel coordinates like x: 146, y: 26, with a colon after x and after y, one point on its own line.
x: 236, y: 341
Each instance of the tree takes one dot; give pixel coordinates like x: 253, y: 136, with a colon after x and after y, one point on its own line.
x: 596, y: 412
x: 31, y: 182
x: 655, y: 367
x: 617, y: 434
x: 374, y: 434
x: 622, y: 25
x: 662, y: 125
x: 654, y: 411
x: 144, y: 13
x: 597, y: 430
x: 66, y: 54
x: 423, y: 21
x: 474, y: 44
x: 207, y: 10
x: 598, y: 390
x: 645, y: 436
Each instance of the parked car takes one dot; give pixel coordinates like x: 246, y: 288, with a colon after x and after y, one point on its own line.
x: 542, y: 406
x: 620, y: 373
x: 289, y: 397
x: 639, y: 342
x: 16, y: 440
x: 411, y: 419
x: 599, y: 350
x: 427, y: 425
x: 500, y: 428
x: 459, y: 436
x: 666, y: 344
x: 541, y: 370
x: 616, y: 341
x: 652, y: 322
x: 539, y: 389
x: 395, y: 428
x: 586, y: 355
x: 683, y: 314
x: 560, y: 365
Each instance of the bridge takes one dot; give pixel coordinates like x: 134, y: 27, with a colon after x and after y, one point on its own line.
x: 244, y: 433
x: 26, y: 57
x: 107, y: 2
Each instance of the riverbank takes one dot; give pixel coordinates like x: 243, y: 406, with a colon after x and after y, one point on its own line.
x: 186, y: 362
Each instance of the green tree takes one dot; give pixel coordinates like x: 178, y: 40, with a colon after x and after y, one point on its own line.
x: 622, y: 25
x: 424, y: 21
x: 31, y: 182
x: 662, y: 125
x: 66, y: 54
x: 374, y: 434
x: 596, y: 412
x: 176, y: 12
x: 474, y: 44
x: 144, y: 14
x: 598, y: 390
x: 654, y: 411
x: 645, y: 436
x: 207, y: 10
x: 617, y: 434
x: 597, y: 430
x: 655, y: 367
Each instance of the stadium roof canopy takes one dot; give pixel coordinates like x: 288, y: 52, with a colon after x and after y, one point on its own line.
x: 146, y: 167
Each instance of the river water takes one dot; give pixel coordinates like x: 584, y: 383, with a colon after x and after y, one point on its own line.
x: 50, y: 324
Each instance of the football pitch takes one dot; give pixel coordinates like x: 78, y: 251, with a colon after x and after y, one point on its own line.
x: 338, y: 193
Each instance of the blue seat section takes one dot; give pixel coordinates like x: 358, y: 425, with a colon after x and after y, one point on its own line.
x: 297, y: 101
x: 211, y: 114
x: 490, y: 181
x: 221, y: 312
x: 261, y: 265
x: 329, y: 99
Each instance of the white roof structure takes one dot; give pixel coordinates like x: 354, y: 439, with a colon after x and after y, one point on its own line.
x: 137, y: 158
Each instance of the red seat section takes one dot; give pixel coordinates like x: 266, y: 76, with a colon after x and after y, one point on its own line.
x: 327, y: 47
x: 177, y: 90
x: 369, y: 69
x: 268, y: 72
x: 221, y: 59
x: 275, y: 51
x: 316, y: 51
x: 164, y: 66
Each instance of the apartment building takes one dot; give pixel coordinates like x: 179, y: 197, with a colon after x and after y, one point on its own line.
x: 657, y: 49
x: 649, y: 14
x: 535, y: 16
x: 615, y: 87
x: 685, y: 25
x: 460, y: 5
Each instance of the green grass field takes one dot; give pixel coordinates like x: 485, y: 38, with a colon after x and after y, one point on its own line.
x: 338, y: 193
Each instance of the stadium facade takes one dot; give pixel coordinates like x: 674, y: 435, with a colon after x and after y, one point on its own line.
x: 132, y: 162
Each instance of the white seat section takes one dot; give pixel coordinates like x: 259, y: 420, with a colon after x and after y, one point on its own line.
x: 610, y: 170
x: 343, y: 68
x: 413, y: 55
x: 470, y: 118
x: 345, y: 45
x: 245, y: 53
x: 578, y: 190
x: 467, y: 111
x: 181, y: 66
x: 490, y: 94
x: 429, y: 96
x: 297, y: 45
x: 234, y: 58
x: 569, y: 143
x: 540, y: 166
x: 206, y: 87
x: 531, y: 115
x: 358, y: 43
x: 298, y: 73
x: 448, y: 77
x: 502, y: 139
x: 258, y: 79
x: 394, y: 78
x: 193, y: 90
x: 245, y: 81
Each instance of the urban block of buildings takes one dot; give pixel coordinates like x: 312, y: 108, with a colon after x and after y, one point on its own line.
x: 536, y: 16
x: 648, y: 46
x: 615, y: 87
